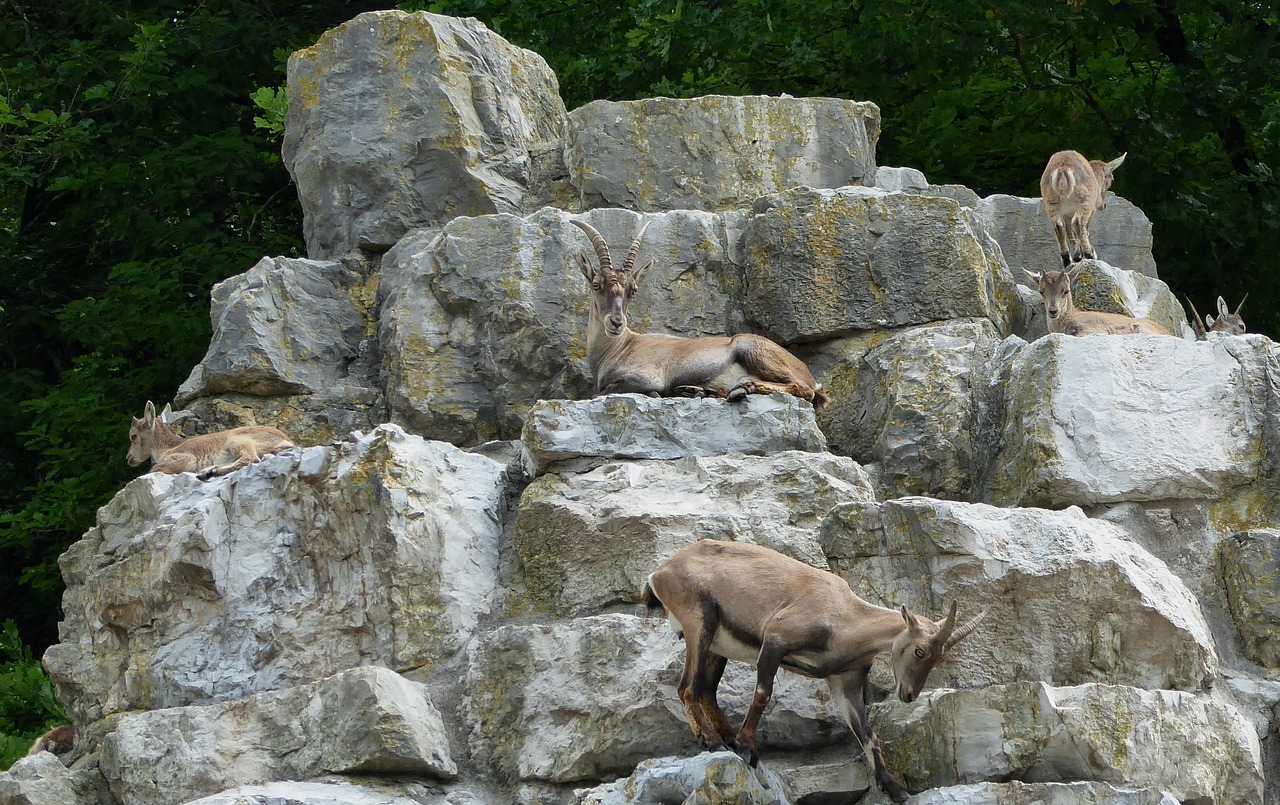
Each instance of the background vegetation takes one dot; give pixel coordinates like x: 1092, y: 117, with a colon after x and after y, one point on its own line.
x: 133, y: 176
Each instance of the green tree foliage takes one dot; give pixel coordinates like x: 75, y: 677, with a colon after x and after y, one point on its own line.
x: 28, y: 707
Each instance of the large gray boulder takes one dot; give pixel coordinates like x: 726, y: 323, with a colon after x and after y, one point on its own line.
x: 1068, y: 599
x: 399, y: 120
x: 905, y: 401
x: 716, y: 152
x: 366, y: 720
x: 587, y: 541
x: 41, y: 779
x: 382, y: 550
x: 1105, y: 419
x: 825, y: 263
x: 568, y: 435
x: 1191, y: 746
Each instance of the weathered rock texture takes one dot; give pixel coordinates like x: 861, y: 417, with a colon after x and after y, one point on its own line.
x: 383, y: 550
x: 382, y: 618
x: 716, y: 152
x: 367, y: 720
x: 404, y: 120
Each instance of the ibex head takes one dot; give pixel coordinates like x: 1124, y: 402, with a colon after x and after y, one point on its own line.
x: 922, y: 646
x: 1055, y: 287
x: 1227, y: 322
x: 611, y: 289
x: 1106, y: 173
x: 142, y: 436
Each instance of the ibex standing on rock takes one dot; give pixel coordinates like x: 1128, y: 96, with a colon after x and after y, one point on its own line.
x: 660, y: 365
x: 1062, y: 316
x: 209, y: 455
x: 734, y: 601
x: 1073, y: 189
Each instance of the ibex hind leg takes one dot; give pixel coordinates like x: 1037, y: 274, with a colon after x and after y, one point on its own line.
x: 753, y: 386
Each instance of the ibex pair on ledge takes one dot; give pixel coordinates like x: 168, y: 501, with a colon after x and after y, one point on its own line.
x: 660, y: 365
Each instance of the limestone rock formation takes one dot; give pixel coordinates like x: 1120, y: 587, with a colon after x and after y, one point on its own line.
x: 433, y: 601
x: 426, y: 118
x: 716, y: 152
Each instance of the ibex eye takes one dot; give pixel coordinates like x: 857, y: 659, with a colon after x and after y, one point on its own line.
x: 920, y: 652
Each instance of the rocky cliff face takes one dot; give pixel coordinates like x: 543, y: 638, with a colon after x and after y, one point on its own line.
x: 433, y: 601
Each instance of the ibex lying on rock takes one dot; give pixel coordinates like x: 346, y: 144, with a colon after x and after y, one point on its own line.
x: 209, y: 455
x: 661, y: 365
x: 1073, y: 189
x: 1064, y: 317
x: 1227, y: 322
x: 59, y: 740
x: 731, y: 600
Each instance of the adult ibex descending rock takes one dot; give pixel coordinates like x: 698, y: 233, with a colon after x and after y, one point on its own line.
x: 1064, y: 317
x: 208, y: 455
x: 1227, y: 322
x: 661, y: 365
x: 734, y: 601
x: 1073, y: 189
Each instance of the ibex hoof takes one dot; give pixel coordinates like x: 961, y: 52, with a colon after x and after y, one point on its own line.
x: 205, y: 475
x: 697, y: 392
x: 737, y: 394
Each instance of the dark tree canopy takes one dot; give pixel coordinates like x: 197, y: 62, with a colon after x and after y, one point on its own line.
x: 132, y: 176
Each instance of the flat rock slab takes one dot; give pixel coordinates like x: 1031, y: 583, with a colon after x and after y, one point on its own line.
x: 618, y: 426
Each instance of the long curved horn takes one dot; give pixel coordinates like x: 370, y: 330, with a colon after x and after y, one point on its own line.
x: 597, y: 241
x: 1237, y: 313
x: 965, y: 631
x: 944, y: 631
x: 635, y: 248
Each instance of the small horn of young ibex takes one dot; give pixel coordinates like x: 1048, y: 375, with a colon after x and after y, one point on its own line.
x: 735, y: 601
x: 59, y: 740
x: 623, y: 361
x: 1073, y: 189
x: 1062, y: 316
x: 208, y: 455
x: 1227, y: 322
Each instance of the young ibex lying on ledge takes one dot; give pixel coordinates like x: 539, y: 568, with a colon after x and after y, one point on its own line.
x: 1064, y: 317
x: 209, y: 455
x: 731, y: 600
x: 1227, y: 322
x: 59, y: 740
x: 660, y: 365
x: 1073, y: 189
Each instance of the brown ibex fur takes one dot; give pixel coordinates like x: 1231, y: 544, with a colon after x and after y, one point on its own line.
x: 59, y: 740
x: 1073, y: 189
x: 735, y: 601
x: 1062, y: 316
x: 660, y: 365
x: 208, y: 455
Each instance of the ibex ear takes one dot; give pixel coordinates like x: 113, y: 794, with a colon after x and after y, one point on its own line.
x: 584, y: 265
x: 639, y: 273
x: 166, y: 414
x: 1111, y: 166
x: 910, y: 619
x: 149, y: 415
x: 1073, y: 273
x: 1222, y: 307
x: 1034, y: 275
